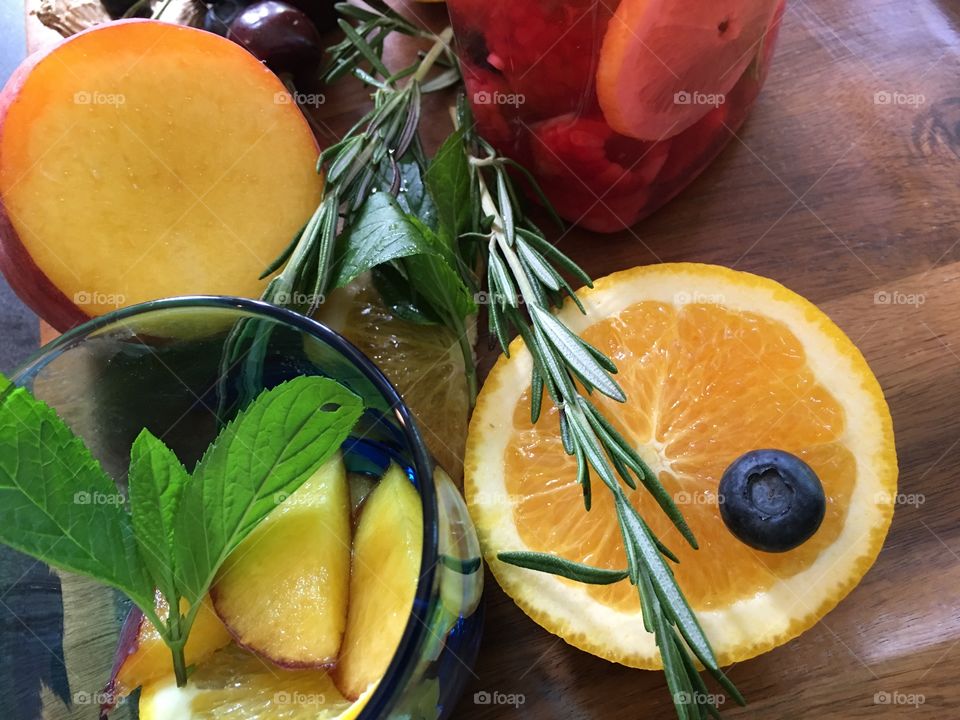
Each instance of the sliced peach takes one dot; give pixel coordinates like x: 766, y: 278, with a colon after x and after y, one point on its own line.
x: 387, y: 551
x: 141, y: 159
x: 283, y: 590
x: 143, y: 657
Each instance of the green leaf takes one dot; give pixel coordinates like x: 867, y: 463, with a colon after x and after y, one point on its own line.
x: 648, y: 607
x: 56, y: 502
x: 678, y: 681
x: 398, y: 295
x: 269, y: 449
x: 413, y: 196
x: 155, y: 482
x: 361, y: 45
x: 433, y: 276
x: 448, y: 78
x: 552, y: 253
x: 536, y: 393
x: 665, y: 584
x: 382, y: 232
x: 699, y: 685
x: 535, y: 263
x: 448, y: 179
x: 504, y: 284
x: 555, y: 565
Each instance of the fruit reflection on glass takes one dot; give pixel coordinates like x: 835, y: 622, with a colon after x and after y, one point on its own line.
x: 615, y: 107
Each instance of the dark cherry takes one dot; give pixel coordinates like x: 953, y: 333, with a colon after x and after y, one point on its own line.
x: 279, y: 34
x: 771, y: 500
x: 220, y: 13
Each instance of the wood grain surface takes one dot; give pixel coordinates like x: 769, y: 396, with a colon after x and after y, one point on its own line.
x: 854, y: 202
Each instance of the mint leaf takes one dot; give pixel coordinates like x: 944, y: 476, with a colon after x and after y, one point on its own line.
x: 155, y: 482
x: 270, y: 448
x: 413, y: 196
x: 436, y: 279
x: 384, y: 233
x: 448, y: 179
x: 381, y: 232
x: 56, y: 502
x: 397, y: 294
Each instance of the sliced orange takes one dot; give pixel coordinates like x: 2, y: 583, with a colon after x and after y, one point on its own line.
x: 424, y: 362
x: 714, y: 363
x: 237, y: 685
x: 664, y: 64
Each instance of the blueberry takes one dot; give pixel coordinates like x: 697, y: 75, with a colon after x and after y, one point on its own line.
x: 771, y: 500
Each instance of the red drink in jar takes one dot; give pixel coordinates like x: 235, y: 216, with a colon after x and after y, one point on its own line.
x: 614, y: 107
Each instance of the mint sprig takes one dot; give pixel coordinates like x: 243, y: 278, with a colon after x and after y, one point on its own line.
x: 53, y: 500
x: 155, y: 481
x: 180, y: 526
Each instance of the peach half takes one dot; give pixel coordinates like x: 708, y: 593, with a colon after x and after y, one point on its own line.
x: 141, y: 159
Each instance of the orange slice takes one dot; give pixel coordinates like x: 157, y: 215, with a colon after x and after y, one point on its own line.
x: 665, y: 63
x: 237, y: 685
x: 714, y: 363
x: 424, y: 362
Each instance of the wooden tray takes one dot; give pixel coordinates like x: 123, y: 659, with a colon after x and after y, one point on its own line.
x: 854, y: 202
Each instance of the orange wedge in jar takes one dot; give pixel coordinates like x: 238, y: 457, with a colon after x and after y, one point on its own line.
x: 664, y: 64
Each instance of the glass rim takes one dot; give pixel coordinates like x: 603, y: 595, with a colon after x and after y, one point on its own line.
x: 391, y: 685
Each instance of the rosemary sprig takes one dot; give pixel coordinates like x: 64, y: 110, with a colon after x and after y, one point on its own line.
x: 363, y: 41
x: 354, y: 166
x: 524, y: 287
x: 365, y: 160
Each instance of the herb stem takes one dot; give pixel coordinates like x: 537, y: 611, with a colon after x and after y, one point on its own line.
x: 179, y: 663
x: 525, y: 288
x: 439, y: 45
x: 469, y: 364
x: 162, y: 9
x: 498, y: 237
x: 178, y: 631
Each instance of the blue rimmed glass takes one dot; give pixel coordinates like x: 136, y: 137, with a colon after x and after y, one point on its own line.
x: 158, y: 365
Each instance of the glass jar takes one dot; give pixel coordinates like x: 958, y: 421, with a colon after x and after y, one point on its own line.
x: 158, y: 365
x: 614, y: 106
